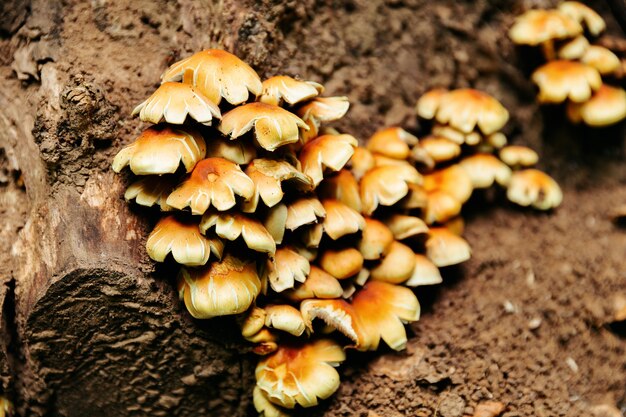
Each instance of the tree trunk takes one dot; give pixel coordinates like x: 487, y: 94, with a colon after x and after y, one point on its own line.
x: 88, y: 325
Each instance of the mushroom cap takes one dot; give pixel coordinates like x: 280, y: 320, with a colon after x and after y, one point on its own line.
x: 376, y: 240
x: 485, y: 169
x: 449, y: 132
x: 496, y: 140
x: 305, y: 210
x: 466, y: 108
x: 264, y: 406
x: 403, y: 226
x: 516, y: 155
x: 238, y: 151
x: 453, y: 180
x: 392, y: 142
x: 341, y: 263
x: 531, y: 187
x: 275, y: 222
x: 160, y: 150
x: 602, y: 59
x: 606, y: 107
x: 219, y: 289
x: 151, y: 190
x: 440, y: 149
x: 441, y: 207
x: 396, y: 267
x: 273, y: 126
x: 173, y: 102
x: 386, y: 185
x: 286, y: 318
x: 268, y: 176
x: 538, y: 26
x: 300, y: 372
x: 342, y: 187
x: 292, y: 91
x: 338, y: 315
x: 583, y: 14
x: 416, y: 198
x: 324, y: 109
x: 216, y: 74
x: 253, y: 322
x: 287, y: 267
x: 319, y: 284
x: 311, y: 236
x: 340, y: 219
x: 265, y: 341
x: 428, y: 103
x: 444, y: 248
x: 183, y: 239
x: 425, y: 272
x: 561, y: 80
x: 231, y: 226
x: 326, y: 151
x: 213, y: 181
x: 361, y: 161
x: 574, y: 49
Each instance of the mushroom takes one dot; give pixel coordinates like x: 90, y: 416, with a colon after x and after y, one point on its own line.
x: 584, y: 15
x: 453, y: 180
x: 311, y: 237
x: 376, y: 240
x: 268, y: 176
x: 425, y: 272
x: 606, y: 107
x: 392, y: 142
x: 161, y: 150
x: 416, y: 198
x: 403, y: 226
x: 213, y: 181
x: 531, y: 187
x: 265, y: 342
x: 440, y: 149
x: 440, y: 207
x: 544, y: 27
x: 574, y: 49
x: 485, y: 169
x: 338, y: 315
x: 361, y: 161
x: 231, y: 226
x: 449, y: 132
x: 287, y: 267
x: 496, y: 140
x: 602, y: 59
x: 386, y: 185
x: 321, y: 109
x: 253, y: 322
x: 341, y: 263
x: 292, y: 91
x: 273, y: 126
x: 303, y: 211
x: 275, y: 222
x: 342, y: 187
x: 428, y: 103
x: 216, y: 74
x: 219, y: 289
x: 396, y: 267
x: 340, y: 219
x: 444, y: 248
x: 150, y: 191
x: 264, y: 406
x: 173, y: 102
x: 561, y: 80
x: 183, y: 240
x: 286, y: 318
x: 300, y: 372
x: 238, y: 151
x: 327, y: 151
x: 319, y: 284
x: 518, y: 156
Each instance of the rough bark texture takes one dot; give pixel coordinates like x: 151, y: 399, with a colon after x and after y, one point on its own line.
x: 89, y: 327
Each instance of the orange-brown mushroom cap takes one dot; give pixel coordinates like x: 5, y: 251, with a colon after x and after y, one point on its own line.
x: 238, y: 151
x: 441, y: 206
x: 485, y: 169
x: 453, y: 180
x: 341, y: 263
x: 214, y: 181
x: 516, y: 155
x: 284, y: 317
x: 340, y: 219
x: 151, y: 190
x: 287, y: 267
x: 466, y: 108
x: 183, y: 240
x: 583, y: 14
x: 173, y: 102
x: 361, y: 161
x: 392, y: 142
x: 562, y: 80
x: 221, y: 288
x: 428, y: 103
x: 301, y: 372
x: 403, y: 226
x: 216, y: 74
x: 531, y: 187
x: 376, y: 239
x: 264, y: 406
x: 273, y: 126
x: 318, y: 284
x: 606, y: 107
x: 386, y: 185
x: 397, y: 266
x: 161, y: 150
x: 440, y: 149
x: 324, y: 109
x: 231, y: 226
x: 444, y: 248
x: 327, y: 151
x: 425, y: 272
x: 342, y: 187
x: 292, y: 91
x: 602, y: 59
x: 574, y: 49
x: 305, y: 210
x: 538, y: 26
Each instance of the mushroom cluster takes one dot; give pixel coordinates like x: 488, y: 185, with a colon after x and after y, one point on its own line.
x: 311, y: 241
x: 466, y: 150
x: 583, y: 75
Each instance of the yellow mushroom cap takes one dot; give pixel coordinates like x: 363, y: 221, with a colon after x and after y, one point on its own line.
x: 253, y: 322
x: 183, y: 240
x: 397, y: 266
x: 341, y: 263
x: 376, y: 240
x: 515, y: 155
x: 485, y: 169
x: 273, y: 126
x: 602, y: 59
x: 213, y: 181
x: 275, y: 222
x: 562, y: 80
x: 264, y: 406
x: 496, y: 140
x: 324, y: 109
x: 451, y: 133
x: 216, y: 74
x: 265, y: 342
x: 403, y: 226
x: 231, y: 226
x: 415, y: 198
x: 151, y: 190
x: 440, y: 149
x: 268, y: 176
x: 574, y: 49
x: 441, y: 207
x: 340, y: 219
x: 425, y: 272
x: 301, y: 372
x: 284, y: 317
x: 327, y: 151
x: 342, y: 187
x: 318, y: 284
x: 160, y: 150
x: 466, y: 108
x: 219, y: 289
x: 238, y: 151
x: 428, y: 103
x: 583, y: 14
x: 444, y: 248
x: 361, y: 161
x: 304, y: 211
x: 606, y: 107
x: 392, y: 142
x: 531, y: 187
x: 287, y: 267
x: 292, y: 91
x: 453, y: 180
x: 386, y: 185
x: 173, y: 102
x: 538, y: 26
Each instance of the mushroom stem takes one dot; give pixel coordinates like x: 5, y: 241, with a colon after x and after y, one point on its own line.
x: 547, y: 48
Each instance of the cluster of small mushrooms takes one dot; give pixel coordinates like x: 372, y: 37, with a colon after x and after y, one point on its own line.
x: 584, y: 76
x: 314, y: 242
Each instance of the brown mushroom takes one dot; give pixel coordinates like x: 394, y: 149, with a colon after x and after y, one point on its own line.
x: 453, y: 180
x: 361, y: 161
x: 264, y: 406
x: 386, y: 185
x: 341, y: 263
x: 531, y: 187
x: 327, y: 151
x: 562, y: 80
x: 340, y: 219
x: 321, y: 109
x: 396, y: 267
x: 574, y: 49
x: 376, y: 240
x: 441, y: 206
x: 319, y: 284
x: 392, y: 142
x: 342, y: 187
x: 606, y: 107
x: 465, y: 109
x: 444, y: 248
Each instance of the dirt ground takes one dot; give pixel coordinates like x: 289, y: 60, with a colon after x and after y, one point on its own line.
x: 525, y: 322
